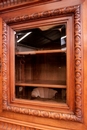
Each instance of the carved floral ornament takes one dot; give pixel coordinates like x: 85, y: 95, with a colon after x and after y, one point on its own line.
x: 77, y: 60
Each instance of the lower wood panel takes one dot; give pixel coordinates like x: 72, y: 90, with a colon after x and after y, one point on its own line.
x: 9, y: 124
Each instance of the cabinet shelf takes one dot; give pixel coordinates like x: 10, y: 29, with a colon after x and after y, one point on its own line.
x: 41, y: 52
x: 52, y: 84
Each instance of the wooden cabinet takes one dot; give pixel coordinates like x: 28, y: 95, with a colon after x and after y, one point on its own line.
x: 43, y: 65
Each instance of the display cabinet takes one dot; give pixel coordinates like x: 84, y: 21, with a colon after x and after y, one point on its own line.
x: 42, y: 65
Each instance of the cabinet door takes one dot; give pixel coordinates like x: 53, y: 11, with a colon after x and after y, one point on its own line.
x: 42, y: 56
x: 42, y: 70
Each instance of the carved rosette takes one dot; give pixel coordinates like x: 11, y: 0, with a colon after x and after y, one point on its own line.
x: 77, y: 59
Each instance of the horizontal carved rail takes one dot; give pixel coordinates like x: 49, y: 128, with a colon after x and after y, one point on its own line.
x: 8, y: 3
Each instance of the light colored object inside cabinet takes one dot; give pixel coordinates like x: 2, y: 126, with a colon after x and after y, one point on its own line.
x: 43, y: 92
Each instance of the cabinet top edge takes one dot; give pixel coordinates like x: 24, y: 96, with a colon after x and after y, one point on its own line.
x: 8, y: 6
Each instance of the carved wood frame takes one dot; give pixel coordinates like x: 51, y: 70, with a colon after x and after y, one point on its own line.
x: 78, y: 116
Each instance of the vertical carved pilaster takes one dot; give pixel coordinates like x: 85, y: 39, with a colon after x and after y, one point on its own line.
x: 78, y: 63
x: 4, y: 65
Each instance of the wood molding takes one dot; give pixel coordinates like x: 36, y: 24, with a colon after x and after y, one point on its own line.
x: 10, y: 5
x: 4, y: 65
x: 7, y: 124
x: 78, y: 63
x: 77, y: 60
x: 45, y: 14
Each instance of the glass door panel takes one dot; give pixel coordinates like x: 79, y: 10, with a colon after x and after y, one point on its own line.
x: 40, y: 64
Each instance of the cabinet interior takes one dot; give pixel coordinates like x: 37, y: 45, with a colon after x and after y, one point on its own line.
x: 40, y: 63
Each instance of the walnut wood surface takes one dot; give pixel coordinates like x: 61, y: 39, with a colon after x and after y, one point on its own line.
x: 56, y: 120
x: 40, y: 52
x: 6, y: 4
x: 78, y: 69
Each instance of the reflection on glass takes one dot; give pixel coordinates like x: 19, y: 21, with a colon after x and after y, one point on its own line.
x: 40, y: 64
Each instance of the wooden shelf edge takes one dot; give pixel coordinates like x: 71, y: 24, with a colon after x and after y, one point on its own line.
x: 41, y: 85
x: 41, y: 52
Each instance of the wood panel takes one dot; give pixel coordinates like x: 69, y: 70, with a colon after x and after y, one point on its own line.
x: 6, y: 4
x: 4, y: 13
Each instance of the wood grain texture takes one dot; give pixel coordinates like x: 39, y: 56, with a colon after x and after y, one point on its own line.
x: 9, y: 3
x: 77, y: 60
x: 6, y: 4
x: 10, y: 126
